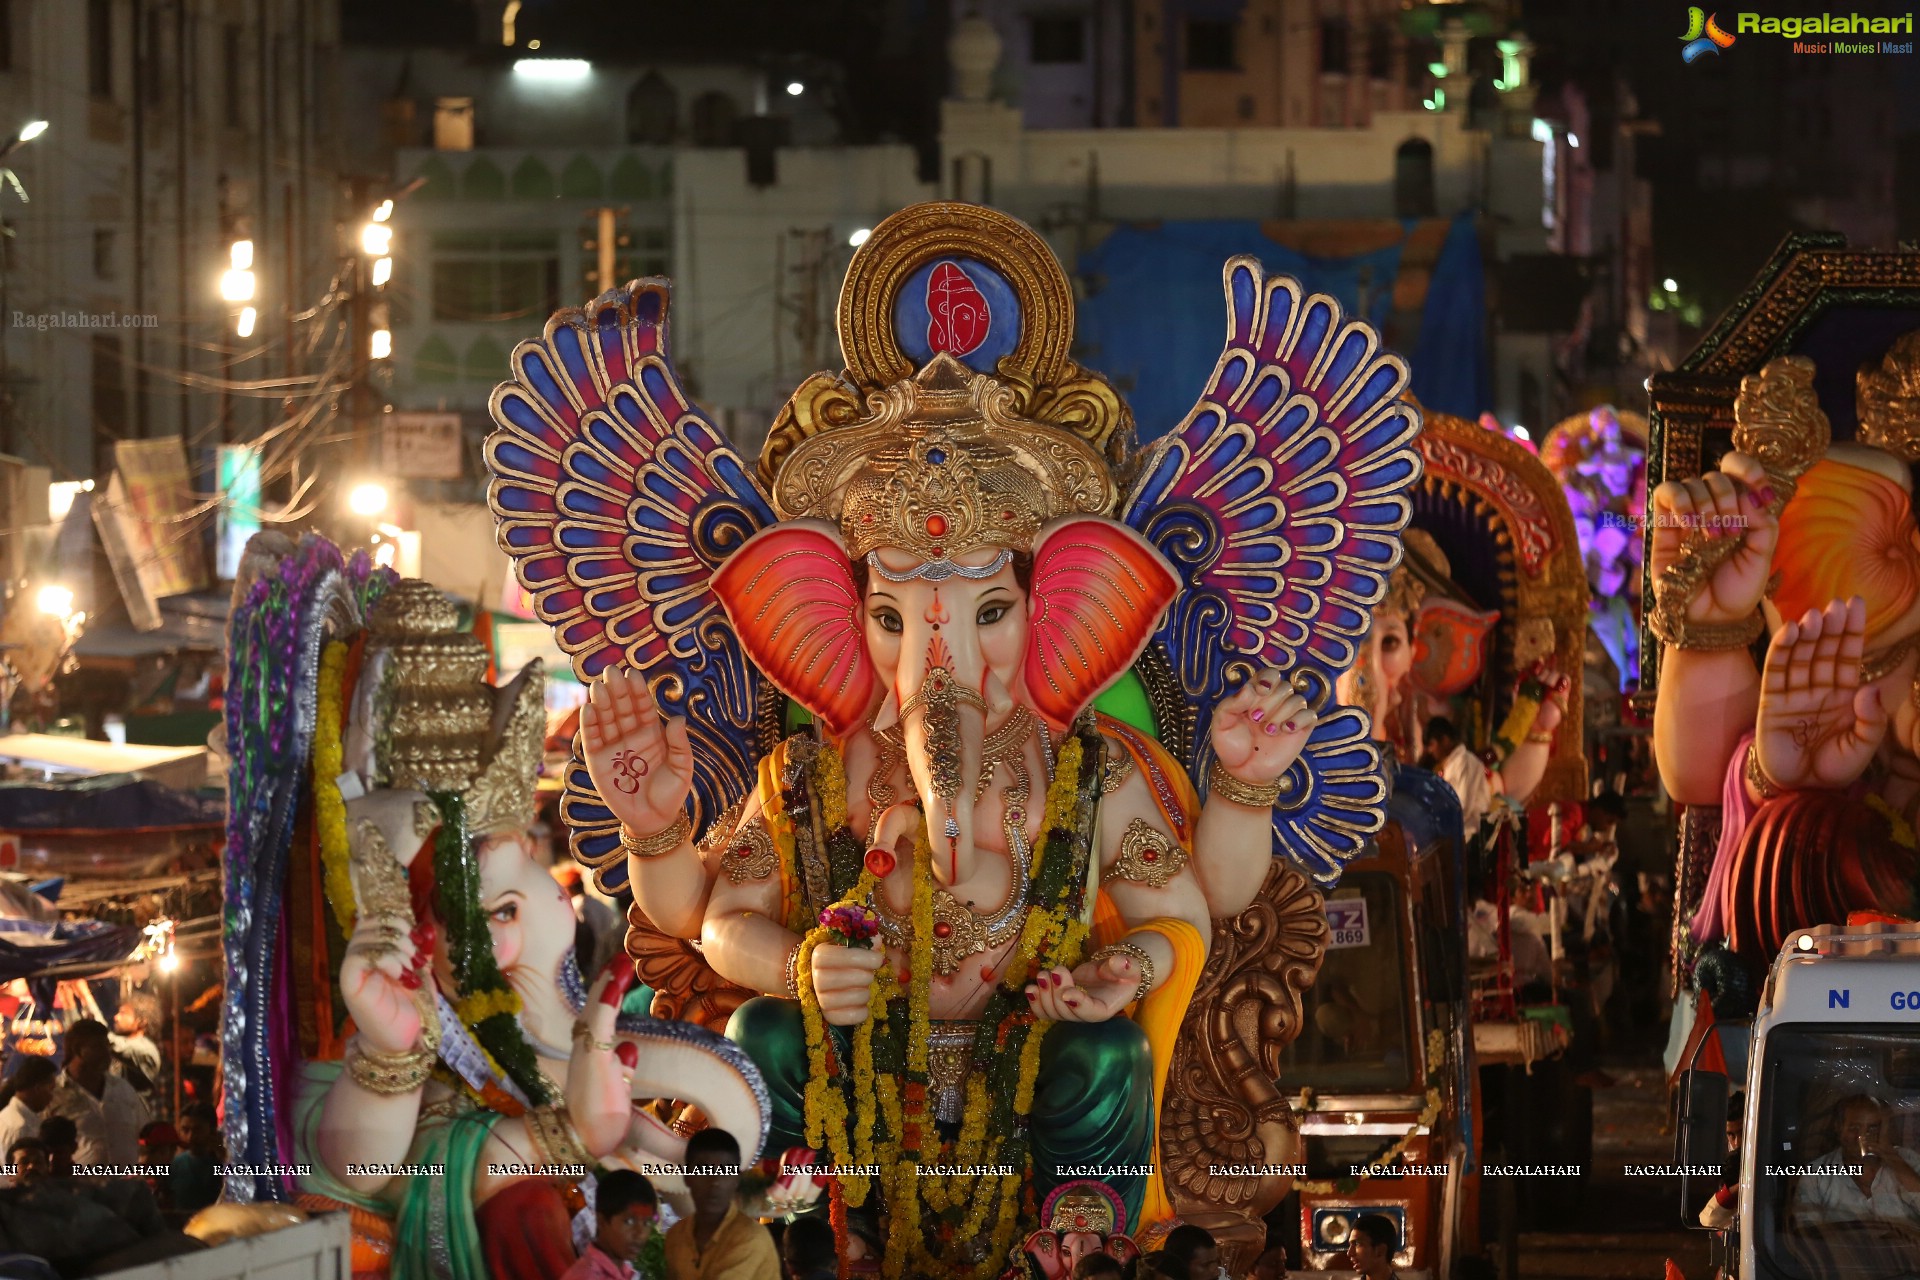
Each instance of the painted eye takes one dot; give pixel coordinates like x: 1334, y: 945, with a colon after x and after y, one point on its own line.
x: 505, y: 913
x: 889, y: 621
x: 990, y: 615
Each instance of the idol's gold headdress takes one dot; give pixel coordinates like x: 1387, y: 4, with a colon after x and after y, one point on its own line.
x: 447, y: 729
x: 942, y: 465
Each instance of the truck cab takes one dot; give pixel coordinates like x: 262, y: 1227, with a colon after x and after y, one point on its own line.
x: 1384, y: 1063
x: 1829, y: 1183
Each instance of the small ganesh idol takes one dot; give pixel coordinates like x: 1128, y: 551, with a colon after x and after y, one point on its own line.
x: 940, y: 743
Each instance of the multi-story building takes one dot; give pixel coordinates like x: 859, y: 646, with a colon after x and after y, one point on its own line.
x: 174, y: 129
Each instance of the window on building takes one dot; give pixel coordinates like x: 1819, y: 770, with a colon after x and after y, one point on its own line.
x: 489, y: 276
x: 1413, y: 179
x: 1379, y: 51
x: 232, y: 68
x: 103, y: 253
x: 653, y: 111
x: 1210, y: 45
x: 100, y: 48
x: 714, y: 114
x: 1057, y: 38
x: 109, y: 395
x: 1335, y: 46
x: 453, y: 124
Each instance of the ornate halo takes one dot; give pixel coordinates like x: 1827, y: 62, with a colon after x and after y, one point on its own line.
x: 959, y: 278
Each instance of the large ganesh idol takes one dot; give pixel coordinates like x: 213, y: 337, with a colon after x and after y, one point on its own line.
x: 407, y: 1035
x: 1481, y: 619
x: 843, y: 731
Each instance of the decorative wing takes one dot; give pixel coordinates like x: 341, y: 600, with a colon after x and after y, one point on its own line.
x: 617, y: 499
x: 1280, y: 502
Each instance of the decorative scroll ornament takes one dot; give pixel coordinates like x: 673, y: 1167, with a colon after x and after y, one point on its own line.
x: 1147, y: 856
x: 1887, y: 398
x: 1777, y: 419
x: 941, y: 467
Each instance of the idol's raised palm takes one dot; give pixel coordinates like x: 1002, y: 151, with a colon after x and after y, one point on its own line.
x: 640, y: 762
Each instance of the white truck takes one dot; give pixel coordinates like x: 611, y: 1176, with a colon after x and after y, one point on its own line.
x: 318, y: 1249
x: 1829, y: 1161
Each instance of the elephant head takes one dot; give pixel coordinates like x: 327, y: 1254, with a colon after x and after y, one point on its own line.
x: 968, y: 575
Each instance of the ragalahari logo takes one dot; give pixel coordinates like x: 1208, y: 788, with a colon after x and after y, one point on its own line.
x: 1703, y: 36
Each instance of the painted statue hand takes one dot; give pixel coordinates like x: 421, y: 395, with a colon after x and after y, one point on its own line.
x: 600, y: 1071
x: 641, y: 765
x: 1553, y: 708
x: 843, y: 981
x: 1729, y: 503
x: 1818, y: 727
x: 385, y: 965
x: 1094, y: 992
x: 1259, y: 731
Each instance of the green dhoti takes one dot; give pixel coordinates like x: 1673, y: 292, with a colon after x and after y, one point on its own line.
x: 1092, y: 1102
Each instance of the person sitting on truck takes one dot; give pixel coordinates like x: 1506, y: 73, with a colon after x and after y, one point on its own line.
x: 1371, y: 1247
x: 1463, y: 771
x: 1723, y: 1206
x: 1887, y: 1186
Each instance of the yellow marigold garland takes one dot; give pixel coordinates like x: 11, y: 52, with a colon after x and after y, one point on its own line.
x: 329, y: 807
x: 481, y: 1005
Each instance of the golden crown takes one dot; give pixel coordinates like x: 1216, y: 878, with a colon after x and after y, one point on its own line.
x: 943, y: 465
x: 446, y: 728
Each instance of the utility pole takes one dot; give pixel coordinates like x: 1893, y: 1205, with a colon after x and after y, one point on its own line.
x: 360, y: 337
x: 604, y: 241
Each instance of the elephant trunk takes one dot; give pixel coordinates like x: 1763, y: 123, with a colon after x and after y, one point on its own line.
x: 945, y: 734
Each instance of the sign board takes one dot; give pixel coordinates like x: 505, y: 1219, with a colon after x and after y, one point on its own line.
x: 146, y: 521
x: 421, y: 446
x: 1347, y: 923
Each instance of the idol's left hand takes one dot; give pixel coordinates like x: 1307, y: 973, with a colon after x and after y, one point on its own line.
x: 597, y: 1092
x: 1094, y: 992
x: 1260, y: 730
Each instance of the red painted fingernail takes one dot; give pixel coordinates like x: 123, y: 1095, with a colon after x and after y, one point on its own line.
x: 410, y: 980
x: 616, y: 989
x: 629, y: 1054
x: 1289, y: 726
x: 1273, y: 728
x: 1257, y: 715
x: 1031, y: 997
x: 1766, y: 495
x: 986, y: 973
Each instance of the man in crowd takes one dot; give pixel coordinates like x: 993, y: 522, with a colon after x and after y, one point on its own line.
x: 104, y: 1108
x: 32, y: 1088
x: 624, y: 1206
x: 1371, y: 1248
x: 1463, y: 770
x: 136, y: 1056
x: 718, y: 1242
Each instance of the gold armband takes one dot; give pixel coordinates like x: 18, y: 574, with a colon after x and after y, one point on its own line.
x: 661, y: 842
x: 1254, y: 795
x: 1766, y: 788
x: 388, y: 1073
x: 1672, y: 627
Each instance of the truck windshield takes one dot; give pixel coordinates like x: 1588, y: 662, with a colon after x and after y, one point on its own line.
x: 1356, y: 1015
x: 1837, y: 1157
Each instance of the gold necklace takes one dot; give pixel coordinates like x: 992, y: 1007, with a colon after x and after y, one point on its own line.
x: 1877, y: 666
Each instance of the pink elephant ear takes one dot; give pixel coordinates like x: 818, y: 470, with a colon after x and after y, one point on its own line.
x: 790, y: 594
x: 1098, y: 593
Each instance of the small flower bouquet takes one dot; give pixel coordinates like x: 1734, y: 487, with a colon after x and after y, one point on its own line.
x: 850, y: 924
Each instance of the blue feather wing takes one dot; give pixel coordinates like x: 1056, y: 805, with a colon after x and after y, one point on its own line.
x: 617, y: 499
x: 1280, y: 502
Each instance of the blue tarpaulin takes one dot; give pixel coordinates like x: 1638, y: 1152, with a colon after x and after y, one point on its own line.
x: 109, y: 801
x: 1156, y: 317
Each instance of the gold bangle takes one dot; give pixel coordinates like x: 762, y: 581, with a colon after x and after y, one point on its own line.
x: 1140, y: 957
x: 793, y: 972
x: 1672, y: 627
x: 583, y: 1034
x: 1254, y: 795
x: 1757, y: 778
x: 661, y: 842
x: 554, y: 1137
x: 1544, y: 739
x: 388, y: 1073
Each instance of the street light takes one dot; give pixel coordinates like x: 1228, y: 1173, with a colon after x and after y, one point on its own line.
x: 368, y: 499
x: 795, y: 88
